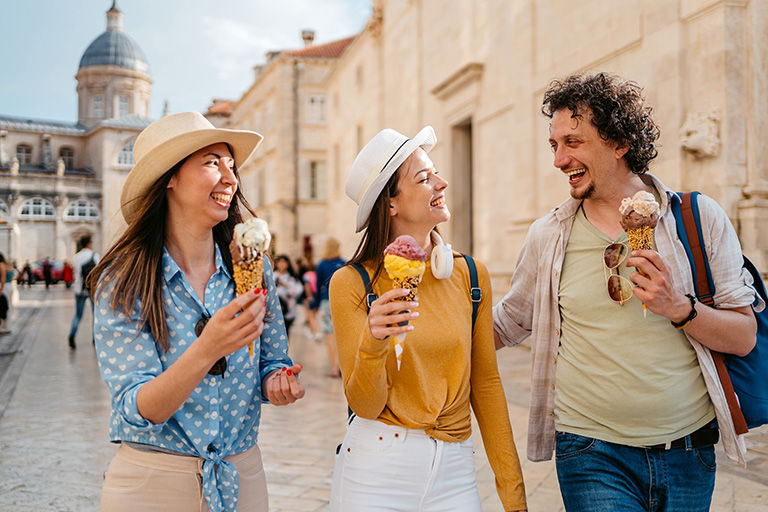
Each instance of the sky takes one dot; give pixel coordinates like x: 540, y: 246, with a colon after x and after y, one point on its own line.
x: 197, y: 49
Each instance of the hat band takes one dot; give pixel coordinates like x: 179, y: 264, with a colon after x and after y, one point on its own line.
x: 373, y: 174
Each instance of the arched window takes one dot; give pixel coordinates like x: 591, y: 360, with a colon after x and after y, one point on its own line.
x: 24, y: 153
x: 68, y: 155
x: 125, y: 157
x: 37, y: 208
x: 4, y: 214
x: 81, y: 210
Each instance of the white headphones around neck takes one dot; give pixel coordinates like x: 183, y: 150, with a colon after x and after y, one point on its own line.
x: 442, y: 258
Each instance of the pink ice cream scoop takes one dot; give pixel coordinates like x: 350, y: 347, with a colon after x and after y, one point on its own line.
x: 406, y: 247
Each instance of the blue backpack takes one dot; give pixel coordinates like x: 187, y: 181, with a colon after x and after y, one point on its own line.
x: 743, y: 377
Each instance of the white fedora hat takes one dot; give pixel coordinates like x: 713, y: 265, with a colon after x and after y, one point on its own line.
x: 165, y: 142
x: 377, y: 162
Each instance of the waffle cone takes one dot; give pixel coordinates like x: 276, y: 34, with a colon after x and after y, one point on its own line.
x: 249, y: 275
x: 409, y: 283
x: 640, y: 238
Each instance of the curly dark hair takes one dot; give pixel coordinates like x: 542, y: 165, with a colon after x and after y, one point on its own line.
x: 617, y: 112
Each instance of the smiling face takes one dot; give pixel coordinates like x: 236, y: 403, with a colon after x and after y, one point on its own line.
x: 420, y: 201
x: 589, y: 162
x: 203, y: 188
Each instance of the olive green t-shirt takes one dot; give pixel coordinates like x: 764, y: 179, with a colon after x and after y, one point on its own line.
x: 620, y: 377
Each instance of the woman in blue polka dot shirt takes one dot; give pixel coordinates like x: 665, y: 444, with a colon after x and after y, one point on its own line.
x: 171, y: 334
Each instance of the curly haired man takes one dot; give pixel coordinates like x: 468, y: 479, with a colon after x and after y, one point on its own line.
x: 631, y: 406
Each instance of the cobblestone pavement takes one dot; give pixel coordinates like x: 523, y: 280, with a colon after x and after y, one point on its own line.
x: 53, y: 426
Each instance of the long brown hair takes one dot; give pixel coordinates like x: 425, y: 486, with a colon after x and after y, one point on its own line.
x: 376, y: 231
x: 134, y: 262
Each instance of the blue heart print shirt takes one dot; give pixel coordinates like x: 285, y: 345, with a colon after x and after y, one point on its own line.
x: 221, y: 416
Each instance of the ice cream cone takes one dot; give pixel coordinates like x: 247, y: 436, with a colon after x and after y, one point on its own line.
x: 639, y: 216
x: 251, y: 238
x: 404, y: 263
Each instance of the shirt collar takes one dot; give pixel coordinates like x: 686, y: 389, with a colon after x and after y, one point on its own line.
x: 171, y: 268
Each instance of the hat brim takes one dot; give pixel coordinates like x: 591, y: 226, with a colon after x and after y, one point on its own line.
x: 425, y: 139
x: 164, y: 156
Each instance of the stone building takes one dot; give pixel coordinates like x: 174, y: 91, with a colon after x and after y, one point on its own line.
x: 60, y: 181
x: 476, y: 71
x: 286, y: 180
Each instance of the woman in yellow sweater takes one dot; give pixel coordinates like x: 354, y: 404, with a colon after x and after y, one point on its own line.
x: 408, y: 444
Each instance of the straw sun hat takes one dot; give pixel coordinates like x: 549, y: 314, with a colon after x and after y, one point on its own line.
x: 165, y: 142
x: 377, y: 162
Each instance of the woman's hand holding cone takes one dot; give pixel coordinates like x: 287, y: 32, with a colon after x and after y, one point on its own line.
x: 235, y: 325
x: 386, y: 312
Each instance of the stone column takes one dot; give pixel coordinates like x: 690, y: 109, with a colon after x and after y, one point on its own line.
x: 753, y: 210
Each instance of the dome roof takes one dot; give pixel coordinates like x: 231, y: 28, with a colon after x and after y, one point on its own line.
x: 114, y: 48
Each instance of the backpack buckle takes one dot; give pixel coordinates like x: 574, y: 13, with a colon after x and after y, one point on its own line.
x: 476, y: 294
x: 370, y: 298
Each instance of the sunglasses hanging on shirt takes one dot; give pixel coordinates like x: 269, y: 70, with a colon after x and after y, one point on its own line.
x: 619, y: 287
x: 220, y: 366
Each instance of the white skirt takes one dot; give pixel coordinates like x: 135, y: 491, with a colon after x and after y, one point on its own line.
x: 382, y: 468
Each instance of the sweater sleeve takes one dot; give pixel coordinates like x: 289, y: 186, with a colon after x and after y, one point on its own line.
x: 490, y: 405
x: 361, y: 356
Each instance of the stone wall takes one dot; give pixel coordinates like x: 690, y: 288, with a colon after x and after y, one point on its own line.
x: 476, y: 71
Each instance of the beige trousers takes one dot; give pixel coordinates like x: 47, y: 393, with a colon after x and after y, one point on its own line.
x: 159, y: 482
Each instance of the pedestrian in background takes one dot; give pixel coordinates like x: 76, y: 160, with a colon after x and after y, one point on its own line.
x: 67, y: 274
x: 331, y: 261
x: 5, y: 272
x: 85, y: 260
x: 47, y: 272
x: 310, y: 300
x: 288, y: 289
x: 408, y: 446
x: 172, y: 336
x: 26, y: 275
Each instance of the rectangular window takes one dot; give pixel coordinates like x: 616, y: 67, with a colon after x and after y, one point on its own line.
x: 98, y: 107
x: 312, y: 178
x: 123, y: 106
x: 315, y: 109
x: 24, y: 154
x: 68, y: 155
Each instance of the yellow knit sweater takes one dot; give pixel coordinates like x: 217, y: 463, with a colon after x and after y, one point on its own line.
x: 444, y: 367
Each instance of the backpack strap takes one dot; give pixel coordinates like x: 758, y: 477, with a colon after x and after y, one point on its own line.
x: 475, y: 292
x: 688, y: 222
x: 370, y: 296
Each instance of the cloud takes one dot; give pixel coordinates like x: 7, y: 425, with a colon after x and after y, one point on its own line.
x: 236, y: 45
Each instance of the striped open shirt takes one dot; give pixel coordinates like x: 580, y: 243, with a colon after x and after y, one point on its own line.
x: 521, y: 313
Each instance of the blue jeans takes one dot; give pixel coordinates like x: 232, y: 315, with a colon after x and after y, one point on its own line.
x: 598, y: 476
x: 80, y: 299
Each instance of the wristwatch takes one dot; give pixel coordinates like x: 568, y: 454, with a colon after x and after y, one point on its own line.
x: 685, y: 321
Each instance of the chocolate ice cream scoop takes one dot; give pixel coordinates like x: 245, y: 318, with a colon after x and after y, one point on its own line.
x: 639, y: 211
